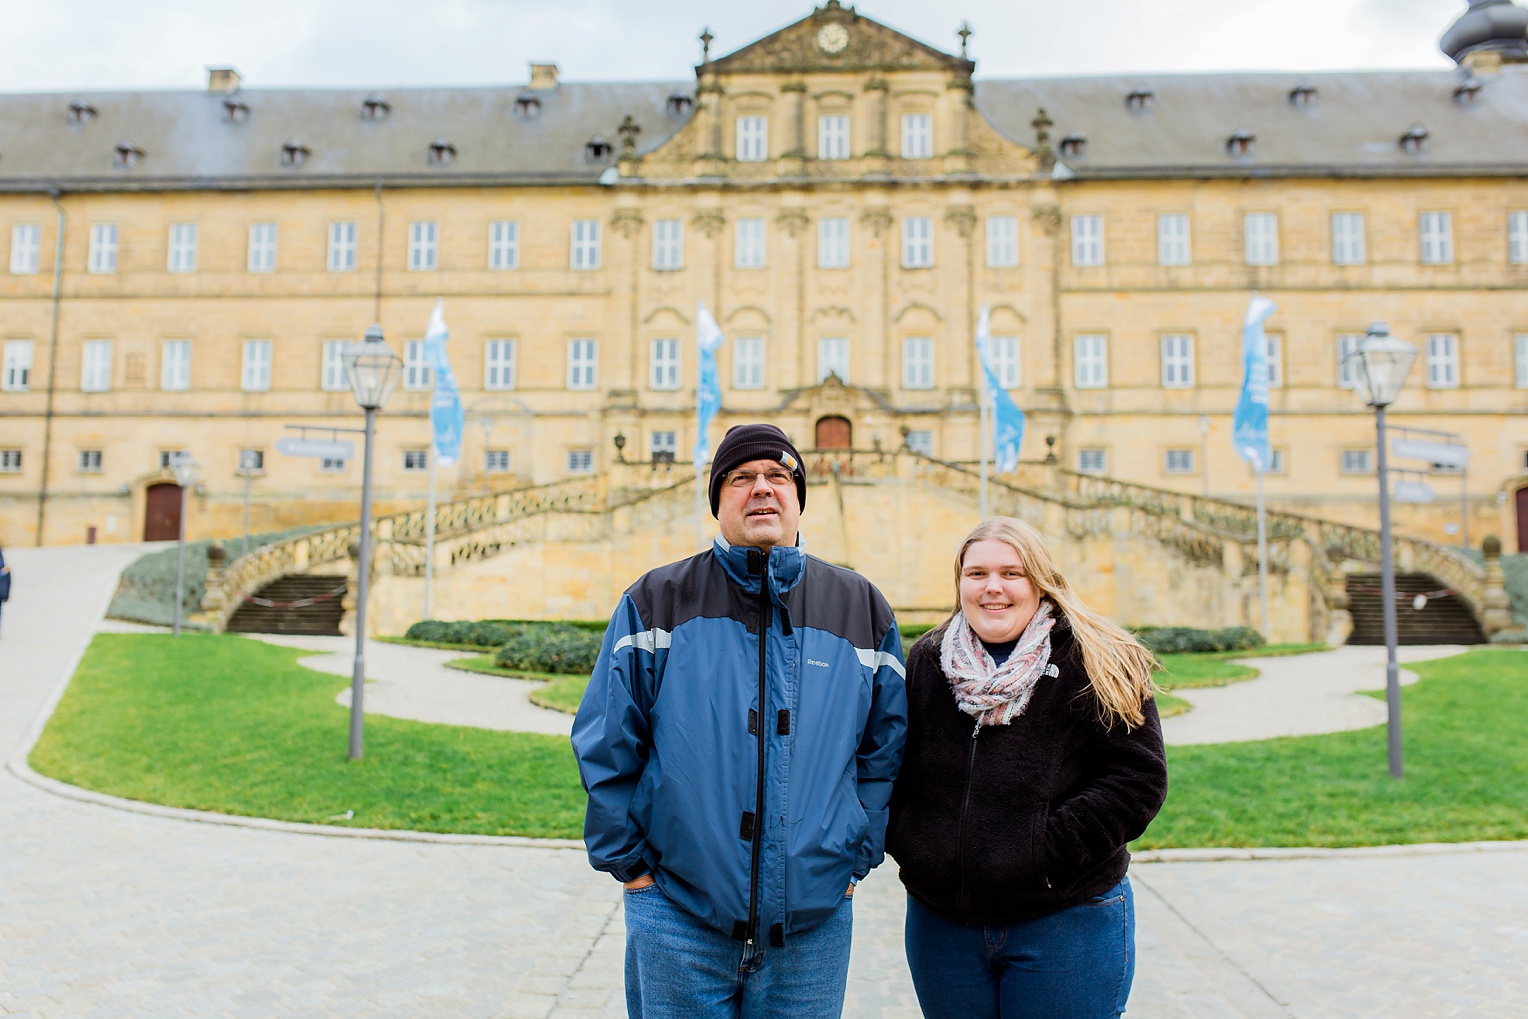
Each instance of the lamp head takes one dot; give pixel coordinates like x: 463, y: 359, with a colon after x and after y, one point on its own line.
x: 184, y: 469
x: 1380, y: 365
x: 372, y: 369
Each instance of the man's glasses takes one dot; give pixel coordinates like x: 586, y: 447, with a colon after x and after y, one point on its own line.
x: 777, y: 477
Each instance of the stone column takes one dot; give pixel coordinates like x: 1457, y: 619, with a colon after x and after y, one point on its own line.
x: 1496, y: 614
x: 352, y: 582
x: 957, y: 119
x: 876, y: 153
x: 214, y: 604
x: 793, y: 159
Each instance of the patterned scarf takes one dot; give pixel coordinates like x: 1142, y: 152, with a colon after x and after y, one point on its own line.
x: 996, y: 694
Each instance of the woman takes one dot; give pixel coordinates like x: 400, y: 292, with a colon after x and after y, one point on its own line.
x: 1034, y: 754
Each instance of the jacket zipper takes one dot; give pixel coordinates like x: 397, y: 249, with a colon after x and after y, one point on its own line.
x: 758, y: 801
x: 965, y: 805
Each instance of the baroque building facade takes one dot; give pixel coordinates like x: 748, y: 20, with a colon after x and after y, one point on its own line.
x: 184, y: 268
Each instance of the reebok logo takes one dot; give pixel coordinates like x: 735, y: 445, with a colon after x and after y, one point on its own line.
x: 820, y: 665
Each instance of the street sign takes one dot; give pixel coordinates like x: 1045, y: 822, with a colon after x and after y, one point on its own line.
x: 327, y: 449
x: 1444, y: 454
x: 1413, y: 491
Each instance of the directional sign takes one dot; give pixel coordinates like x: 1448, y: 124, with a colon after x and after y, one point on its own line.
x: 1444, y: 454
x: 327, y: 449
x: 1413, y: 491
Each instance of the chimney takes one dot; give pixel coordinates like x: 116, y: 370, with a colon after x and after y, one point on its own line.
x: 222, y: 79
x: 543, y: 77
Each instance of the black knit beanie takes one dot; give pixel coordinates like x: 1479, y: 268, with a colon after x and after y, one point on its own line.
x: 744, y: 443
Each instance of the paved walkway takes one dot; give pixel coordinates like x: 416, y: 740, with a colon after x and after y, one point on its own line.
x: 107, y: 913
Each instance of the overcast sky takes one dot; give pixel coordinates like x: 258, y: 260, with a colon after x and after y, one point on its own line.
x: 64, y: 45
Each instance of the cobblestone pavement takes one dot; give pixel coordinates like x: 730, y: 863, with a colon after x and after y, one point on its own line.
x: 105, y: 913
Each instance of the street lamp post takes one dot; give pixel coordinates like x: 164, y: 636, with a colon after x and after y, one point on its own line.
x: 1204, y: 455
x: 372, y: 370
x: 246, y: 468
x: 1380, y: 366
x: 184, y: 469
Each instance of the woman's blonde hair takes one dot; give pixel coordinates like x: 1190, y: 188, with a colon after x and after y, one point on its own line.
x: 1118, y: 667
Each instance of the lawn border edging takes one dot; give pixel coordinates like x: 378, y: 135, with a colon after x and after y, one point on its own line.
x: 1216, y: 855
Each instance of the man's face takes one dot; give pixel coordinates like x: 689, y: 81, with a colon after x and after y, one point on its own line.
x: 758, y: 505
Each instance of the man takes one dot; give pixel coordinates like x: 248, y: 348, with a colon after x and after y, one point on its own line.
x: 738, y: 742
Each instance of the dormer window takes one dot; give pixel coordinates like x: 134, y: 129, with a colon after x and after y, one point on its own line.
x: 294, y: 153
x: 1242, y: 145
x: 234, y: 111
x: 1302, y: 97
x: 1414, y: 141
x: 680, y: 105
x: 1074, y: 146
x: 527, y: 107
x: 442, y: 152
x: 128, y: 155
x: 597, y: 150
x: 1140, y: 100
x: 81, y: 113
x: 373, y: 108
x: 1468, y: 92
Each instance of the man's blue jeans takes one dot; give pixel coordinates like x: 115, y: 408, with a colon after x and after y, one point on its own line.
x: 679, y: 967
x: 1075, y: 964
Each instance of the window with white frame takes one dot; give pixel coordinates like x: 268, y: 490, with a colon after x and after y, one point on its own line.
x: 1177, y: 361
x: 748, y: 244
x: 917, y: 136
x: 585, y: 250
x: 332, y: 377
x: 917, y: 362
x: 1517, y: 238
x: 833, y: 358
x: 262, y: 247
x: 182, y: 256
x: 833, y: 137
x: 1355, y: 461
x: 1520, y: 359
x: 752, y: 139
x: 331, y: 465
x: 17, y: 374
x: 499, y: 365
x: 95, y: 366
x: 168, y: 458
x: 256, y: 374
x: 664, y: 370
x: 668, y: 244
x: 582, y: 364
x: 580, y: 461
x: 1275, y: 461
x: 1090, y: 361
x: 416, y: 460
x: 1092, y: 460
x: 662, y: 446
x: 1173, y: 243
x: 496, y: 461
x: 1178, y: 461
x: 175, y: 366
x: 103, y: 248
x: 1087, y: 240
x: 504, y: 244
x: 10, y: 461
x: 1262, y: 238
x: 26, y: 248
x: 917, y: 242
x: 1442, y: 361
x: 1274, y: 348
x: 833, y: 243
x: 1437, y: 237
x: 921, y: 441
x: 424, y: 245
x: 1348, y: 246
x: 416, y: 367
x: 1002, y: 242
x: 748, y: 362
x: 251, y: 461
x: 1347, y: 372
x: 342, y: 247
x: 88, y: 461
x: 1005, y: 360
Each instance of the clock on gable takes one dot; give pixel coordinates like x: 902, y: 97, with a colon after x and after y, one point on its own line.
x: 832, y: 38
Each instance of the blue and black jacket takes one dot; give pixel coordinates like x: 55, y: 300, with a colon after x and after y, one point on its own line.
x: 749, y: 774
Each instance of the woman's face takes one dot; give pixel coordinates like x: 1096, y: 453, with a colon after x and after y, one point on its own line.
x: 997, y: 598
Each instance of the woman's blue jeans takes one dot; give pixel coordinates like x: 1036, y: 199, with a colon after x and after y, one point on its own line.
x: 1075, y: 964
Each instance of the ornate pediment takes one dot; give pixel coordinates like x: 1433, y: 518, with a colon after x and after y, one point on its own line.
x: 835, y: 38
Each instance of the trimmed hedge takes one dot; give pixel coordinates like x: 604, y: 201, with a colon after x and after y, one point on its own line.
x: 1179, y: 639
x: 550, y: 647
x: 485, y: 633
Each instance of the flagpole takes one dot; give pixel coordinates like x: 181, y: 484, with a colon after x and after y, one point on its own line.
x: 1262, y: 550
x: 429, y: 537
x: 985, y: 438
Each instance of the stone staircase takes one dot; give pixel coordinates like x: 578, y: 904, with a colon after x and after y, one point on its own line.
x: 310, y: 603
x: 1443, y: 619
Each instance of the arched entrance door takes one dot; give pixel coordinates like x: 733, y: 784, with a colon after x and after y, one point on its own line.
x: 1522, y: 519
x: 161, y: 518
x: 834, y: 432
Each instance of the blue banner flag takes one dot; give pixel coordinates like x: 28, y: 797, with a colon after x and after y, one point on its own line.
x: 1249, y: 425
x: 446, y: 415
x: 1007, y: 418
x: 708, y: 389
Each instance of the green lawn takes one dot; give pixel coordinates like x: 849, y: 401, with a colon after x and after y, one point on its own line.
x: 559, y: 692
x: 218, y: 722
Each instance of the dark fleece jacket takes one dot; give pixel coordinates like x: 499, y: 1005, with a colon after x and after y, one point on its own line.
x: 1024, y: 819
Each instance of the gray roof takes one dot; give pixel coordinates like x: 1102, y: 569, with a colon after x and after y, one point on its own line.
x: 186, y: 140
x: 1353, y: 128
